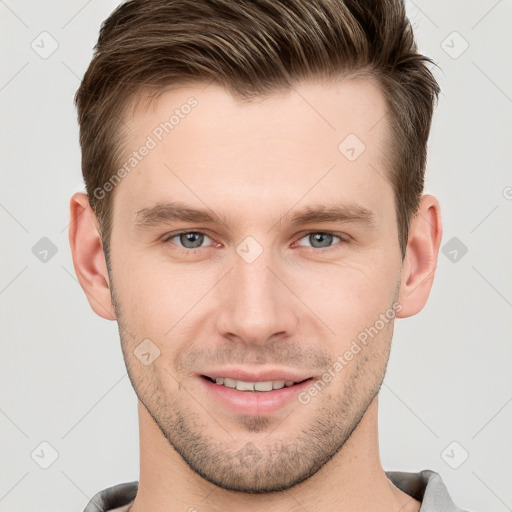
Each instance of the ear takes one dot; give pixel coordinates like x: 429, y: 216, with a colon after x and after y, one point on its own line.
x: 88, y: 258
x: 420, y: 260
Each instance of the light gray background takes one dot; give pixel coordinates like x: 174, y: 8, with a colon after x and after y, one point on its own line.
x: 63, y: 379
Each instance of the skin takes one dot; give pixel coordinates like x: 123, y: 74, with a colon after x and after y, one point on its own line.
x: 299, y: 305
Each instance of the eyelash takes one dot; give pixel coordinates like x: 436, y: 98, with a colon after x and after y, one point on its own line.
x: 343, y: 239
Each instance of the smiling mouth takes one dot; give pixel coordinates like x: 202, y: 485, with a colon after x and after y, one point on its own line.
x: 240, y: 385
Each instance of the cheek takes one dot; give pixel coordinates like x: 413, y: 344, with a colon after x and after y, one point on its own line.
x: 156, y: 297
x: 348, y: 296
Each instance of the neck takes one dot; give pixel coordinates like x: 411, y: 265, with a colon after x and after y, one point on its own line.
x: 352, y: 480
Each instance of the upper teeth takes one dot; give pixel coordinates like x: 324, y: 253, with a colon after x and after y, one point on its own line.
x: 240, y: 385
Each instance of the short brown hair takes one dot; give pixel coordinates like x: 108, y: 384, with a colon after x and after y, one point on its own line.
x: 254, y: 48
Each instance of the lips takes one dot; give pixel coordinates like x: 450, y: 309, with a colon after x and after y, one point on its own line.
x: 254, y: 390
x: 246, y: 398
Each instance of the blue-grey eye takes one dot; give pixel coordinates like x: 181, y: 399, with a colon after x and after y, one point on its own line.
x: 190, y: 239
x: 320, y: 240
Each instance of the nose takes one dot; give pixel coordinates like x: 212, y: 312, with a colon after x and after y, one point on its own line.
x: 257, y: 302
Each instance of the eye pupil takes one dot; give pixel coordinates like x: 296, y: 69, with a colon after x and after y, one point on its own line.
x: 186, y: 238
x: 322, y: 238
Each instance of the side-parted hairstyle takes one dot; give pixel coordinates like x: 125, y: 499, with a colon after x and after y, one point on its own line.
x: 254, y: 48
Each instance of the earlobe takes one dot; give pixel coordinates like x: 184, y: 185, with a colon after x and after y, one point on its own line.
x: 420, y: 262
x: 88, y: 258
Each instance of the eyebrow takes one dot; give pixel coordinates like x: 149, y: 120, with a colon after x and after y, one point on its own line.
x: 162, y: 213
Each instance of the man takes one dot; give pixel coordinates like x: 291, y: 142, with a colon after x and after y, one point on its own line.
x: 254, y: 222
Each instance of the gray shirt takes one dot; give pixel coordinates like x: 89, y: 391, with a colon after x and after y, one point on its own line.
x: 425, y: 486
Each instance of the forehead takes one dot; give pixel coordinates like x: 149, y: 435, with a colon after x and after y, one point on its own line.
x: 329, y: 107
x: 315, y: 142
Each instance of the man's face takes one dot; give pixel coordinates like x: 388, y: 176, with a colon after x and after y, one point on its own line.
x: 256, y: 291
